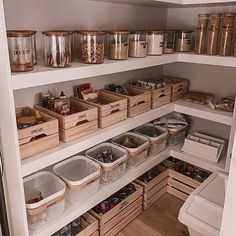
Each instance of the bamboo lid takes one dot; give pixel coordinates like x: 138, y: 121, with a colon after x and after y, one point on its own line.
x: 20, y: 33
x: 57, y: 33
x: 91, y: 32
x: 119, y: 32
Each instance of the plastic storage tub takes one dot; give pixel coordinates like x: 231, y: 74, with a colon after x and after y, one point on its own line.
x: 110, y: 171
x: 203, y: 210
x: 44, y: 197
x: 176, y: 135
x: 81, y: 176
x: 136, y: 155
x: 157, y: 144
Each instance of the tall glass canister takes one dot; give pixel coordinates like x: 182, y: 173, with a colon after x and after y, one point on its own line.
x: 155, y: 42
x: 169, y: 41
x: 183, y: 41
x: 137, y: 44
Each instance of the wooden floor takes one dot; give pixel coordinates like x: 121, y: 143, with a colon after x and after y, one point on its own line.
x: 161, y: 219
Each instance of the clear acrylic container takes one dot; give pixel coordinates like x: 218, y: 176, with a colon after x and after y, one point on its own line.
x: 183, y: 41
x: 91, y: 47
x: 169, y: 41
x: 58, y: 48
x: 118, y: 48
x: 155, y: 42
x: 138, y: 44
x: 20, y: 46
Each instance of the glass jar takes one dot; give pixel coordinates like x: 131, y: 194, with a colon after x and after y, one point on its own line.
x: 138, y: 44
x: 34, y: 47
x: 183, y: 42
x: 212, y: 34
x: 226, y: 34
x: 20, y: 48
x: 118, y: 45
x: 169, y: 41
x: 91, y: 47
x: 201, y: 33
x: 58, y: 48
x: 155, y: 42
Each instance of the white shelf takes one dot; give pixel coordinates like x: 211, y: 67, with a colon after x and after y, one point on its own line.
x: 73, y: 211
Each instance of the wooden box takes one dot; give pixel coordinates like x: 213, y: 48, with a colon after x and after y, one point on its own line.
x: 154, y: 189
x: 122, y: 214
x: 178, y: 87
x: 139, y: 100
x: 82, y: 121
x: 28, y: 141
x: 112, y: 110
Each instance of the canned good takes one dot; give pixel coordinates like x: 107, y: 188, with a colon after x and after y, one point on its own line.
x: 66, y: 230
x: 105, y: 206
x: 114, y: 201
x: 76, y: 226
x: 183, y: 42
x: 123, y: 195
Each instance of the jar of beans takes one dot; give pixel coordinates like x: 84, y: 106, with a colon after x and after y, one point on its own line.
x: 20, y: 46
x: 58, y: 48
x: 138, y: 44
x: 169, y: 41
x: 91, y: 47
x: 118, y: 48
x: 183, y: 41
x: 155, y: 42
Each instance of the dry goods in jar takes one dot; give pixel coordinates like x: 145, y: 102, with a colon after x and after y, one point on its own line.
x: 183, y: 42
x: 155, y: 42
x: 169, y: 41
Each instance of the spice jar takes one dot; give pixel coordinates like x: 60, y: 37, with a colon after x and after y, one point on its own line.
x: 155, y: 42
x: 226, y: 34
x: 169, y: 41
x: 138, y: 44
x: 201, y: 33
x: 183, y: 42
x: 118, y: 45
x: 212, y: 34
x: 58, y: 48
x: 91, y: 47
x: 20, y: 48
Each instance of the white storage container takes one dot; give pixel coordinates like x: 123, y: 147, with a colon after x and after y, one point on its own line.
x: 136, y: 155
x: 203, y: 210
x: 44, y: 197
x: 110, y: 171
x: 157, y: 144
x: 82, y: 177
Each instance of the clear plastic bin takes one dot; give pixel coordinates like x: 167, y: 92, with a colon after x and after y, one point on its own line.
x: 177, y: 135
x: 110, y: 171
x: 82, y: 177
x: 157, y: 144
x: 44, y: 197
x: 136, y: 155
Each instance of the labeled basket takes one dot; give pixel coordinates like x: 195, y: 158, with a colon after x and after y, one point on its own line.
x: 158, y: 143
x: 81, y: 176
x: 110, y: 171
x: 44, y: 197
x: 136, y: 155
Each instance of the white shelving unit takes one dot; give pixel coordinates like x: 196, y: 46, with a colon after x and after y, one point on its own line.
x: 123, y: 16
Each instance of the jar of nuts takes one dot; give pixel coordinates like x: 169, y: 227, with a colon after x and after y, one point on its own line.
x: 138, y: 44
x: 118, y: 48
x: 20, y: 46
x: 91, y: 47
x: 58, y: 48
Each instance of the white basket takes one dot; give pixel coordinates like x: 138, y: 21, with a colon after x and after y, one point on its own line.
x: 51, y: 206
x: 110, y: 171
x: 157, y: 144
x: 82, y: 177
x: 136, y: 155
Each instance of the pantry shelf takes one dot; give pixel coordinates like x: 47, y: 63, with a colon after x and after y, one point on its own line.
x: 73, y: 211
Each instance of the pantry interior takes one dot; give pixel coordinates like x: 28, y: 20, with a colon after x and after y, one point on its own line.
x: 209, y: 74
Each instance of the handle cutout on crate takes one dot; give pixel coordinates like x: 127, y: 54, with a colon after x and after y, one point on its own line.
x: 37, y: 137
x: 139, y: 103
x: 162, y: 95
x: 82, y: 122
x: 114, y: 111
x: 180, y: 89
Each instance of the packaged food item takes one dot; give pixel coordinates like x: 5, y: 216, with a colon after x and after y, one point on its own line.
x: 223, y: 104
x: 169, y: 41
x: 148, y: 84
x: 138, y: 44
x: 183, y: 41
x: 117, y: 89
x: 155, y: 42
x: 196, y: 97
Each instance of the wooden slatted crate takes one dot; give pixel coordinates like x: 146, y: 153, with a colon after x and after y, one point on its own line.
x: 82, y: 121
x: 29, y: 138
x: 122, y: 214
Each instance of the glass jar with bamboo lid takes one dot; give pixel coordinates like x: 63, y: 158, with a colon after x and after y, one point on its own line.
x: 138, y: 43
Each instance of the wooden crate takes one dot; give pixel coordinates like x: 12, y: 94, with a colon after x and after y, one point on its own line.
x: 122, y: 214
x: 82, y: 121
x: 28, y: 146
x: 178, y: 87
x: 139, y: 100
x: 112, y: 111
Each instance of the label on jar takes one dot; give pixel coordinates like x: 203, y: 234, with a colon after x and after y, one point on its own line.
x: 22, y: 56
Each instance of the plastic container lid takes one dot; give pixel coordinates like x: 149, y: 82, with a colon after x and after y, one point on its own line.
x: 203, y: 210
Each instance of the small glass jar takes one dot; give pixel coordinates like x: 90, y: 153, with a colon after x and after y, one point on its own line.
x: 226, y: 34
x: 20, y: 48
x: 183, y: 42
x: 169, y: 41
x: 118, y: 45
x: 91, y: 47
x: 212, y: 34
x: 155, y: 42
x: 58, y: 48
x: 138, y: 44
x: 201, y: 33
